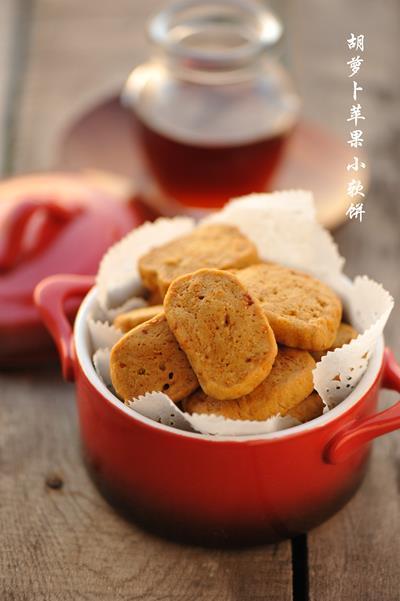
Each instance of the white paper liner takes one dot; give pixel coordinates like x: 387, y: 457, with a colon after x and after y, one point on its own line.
x: 337, y: 374
x: 118, y: 278
x: 283, y: 227
x: 218, y: 425
x: 158, y: 406
x: 132, y: 303
x: 295, y: 202
x: 101, y: 313
x: 290, y: 237
x: 101, y: 362
x: 102, y: 334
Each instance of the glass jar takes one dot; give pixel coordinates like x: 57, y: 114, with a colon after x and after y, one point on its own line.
x: 212, y: 110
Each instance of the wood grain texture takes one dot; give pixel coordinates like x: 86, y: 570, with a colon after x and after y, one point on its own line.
x: 66, y: 543
x: 355, y: 555
x: 6, y: 22
x: 10, y: 21
x: 78, y: 52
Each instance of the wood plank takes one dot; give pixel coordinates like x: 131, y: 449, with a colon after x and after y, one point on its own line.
x: 63, y: 78
x: 355, y: 555
x: 68, y: 543
x: 7, y: 19
x: 11, y: 54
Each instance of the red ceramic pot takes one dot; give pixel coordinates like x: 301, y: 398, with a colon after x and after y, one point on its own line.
x: 257, y: 488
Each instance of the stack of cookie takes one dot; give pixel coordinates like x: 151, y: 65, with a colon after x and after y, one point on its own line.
x: 226, y: 333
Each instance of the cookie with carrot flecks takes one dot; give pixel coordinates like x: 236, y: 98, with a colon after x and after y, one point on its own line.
x: 147, y: 359
x: 218, y: 246
x: 288, y: 384
x: 222, y: 330
x: 131, y: 319
x: 345, y: 334
x: 304, y: 312
x: 308, y: 409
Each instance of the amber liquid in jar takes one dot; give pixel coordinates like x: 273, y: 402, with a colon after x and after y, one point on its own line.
x: 206, y: 176
x: 213, y: 109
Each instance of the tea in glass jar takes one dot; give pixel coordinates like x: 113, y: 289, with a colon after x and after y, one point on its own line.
x: 213, y: 110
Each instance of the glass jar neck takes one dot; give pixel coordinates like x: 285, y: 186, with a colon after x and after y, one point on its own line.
x: 208, y: 40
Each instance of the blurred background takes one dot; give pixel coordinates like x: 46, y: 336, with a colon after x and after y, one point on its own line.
x: 59, y: 57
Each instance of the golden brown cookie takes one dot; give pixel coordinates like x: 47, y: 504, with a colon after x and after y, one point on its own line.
x: 308, y: 409
x: 154, y: 297
x: 223, y: 331
x: 149, y: 359
x: 289, y: 383
x: 303, y: 312
x: 344, y: 335
x: 218, y: 246
x: 131, y: 319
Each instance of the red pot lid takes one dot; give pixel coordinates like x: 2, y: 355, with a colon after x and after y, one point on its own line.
x: 50, y: 223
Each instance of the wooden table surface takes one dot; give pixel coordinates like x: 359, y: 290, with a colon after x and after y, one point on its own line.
x: 57, y: 57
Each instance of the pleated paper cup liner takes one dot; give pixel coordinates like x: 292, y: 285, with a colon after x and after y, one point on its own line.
x: 283, y: 226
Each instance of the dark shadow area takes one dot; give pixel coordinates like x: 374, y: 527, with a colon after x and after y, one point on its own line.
x: 300, y: 568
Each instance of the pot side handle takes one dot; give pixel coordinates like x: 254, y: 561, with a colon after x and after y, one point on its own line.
x: 50, y: 296
x: 347, y: 441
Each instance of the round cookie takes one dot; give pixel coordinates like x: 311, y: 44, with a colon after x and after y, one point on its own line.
x: 303, y: 312
x: 308, y: 409
x: 223, y: 331
x: 288, y: 384
x: 149, y: 359
x: 344, y: 335
x: 217, y: 246
x: 131, y: 319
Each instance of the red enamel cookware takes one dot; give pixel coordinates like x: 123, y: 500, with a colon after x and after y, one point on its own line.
x: 50, y: 223
x: 220, y: 489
